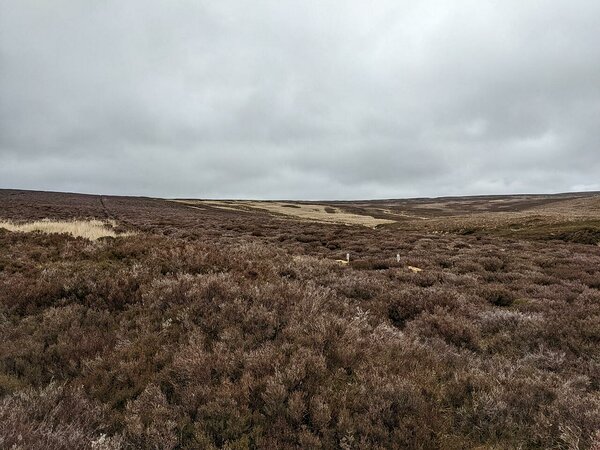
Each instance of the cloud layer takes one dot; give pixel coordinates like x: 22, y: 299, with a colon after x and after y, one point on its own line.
x: 288, y: 99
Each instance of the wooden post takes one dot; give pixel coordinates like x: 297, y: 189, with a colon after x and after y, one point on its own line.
x: 397, y: 257
x: 347, y: 257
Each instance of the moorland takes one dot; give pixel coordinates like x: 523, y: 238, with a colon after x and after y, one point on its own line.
x: 458, y: 322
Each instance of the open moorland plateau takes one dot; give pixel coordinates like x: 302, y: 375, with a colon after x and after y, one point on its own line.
x: 458, y: 323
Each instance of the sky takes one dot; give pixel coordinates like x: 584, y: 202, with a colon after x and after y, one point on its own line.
x: 278, y: 99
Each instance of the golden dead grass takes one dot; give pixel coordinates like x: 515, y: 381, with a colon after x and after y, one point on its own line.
x: 88, y: 229
x: 312, y: 212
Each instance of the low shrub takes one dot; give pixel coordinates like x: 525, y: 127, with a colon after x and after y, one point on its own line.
x: 499, y: 296
x: 220, y: 329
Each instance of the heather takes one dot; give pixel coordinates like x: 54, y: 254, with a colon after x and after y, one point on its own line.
x: 212, y: 328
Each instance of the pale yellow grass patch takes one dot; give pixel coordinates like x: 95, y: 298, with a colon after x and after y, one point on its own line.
x: 312, y: 212
x: 89, y: 229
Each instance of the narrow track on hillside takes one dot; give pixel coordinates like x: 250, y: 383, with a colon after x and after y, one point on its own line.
x: 108, y: 215
x: 112, y: 216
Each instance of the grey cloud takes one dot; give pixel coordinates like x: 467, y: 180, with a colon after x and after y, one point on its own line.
x: 317, y: 99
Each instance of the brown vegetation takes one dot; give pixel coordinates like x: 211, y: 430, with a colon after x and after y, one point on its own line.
x: 214, y: 328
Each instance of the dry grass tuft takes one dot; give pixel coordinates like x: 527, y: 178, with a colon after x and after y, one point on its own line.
x: 88, y: 229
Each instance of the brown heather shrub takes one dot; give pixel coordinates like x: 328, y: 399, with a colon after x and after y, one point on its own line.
x: 492, y: 264
x: 592, y: 281
x: 54, y: 417
x: 498, y: 295
x: 357, y: 286
x: 150, y: 422
x: 459, y: 332
x: 410, y: 303
x: 219, y: 329
x: 378, y: 264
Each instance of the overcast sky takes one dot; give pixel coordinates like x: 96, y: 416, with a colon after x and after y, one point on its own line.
x: 300, y: 99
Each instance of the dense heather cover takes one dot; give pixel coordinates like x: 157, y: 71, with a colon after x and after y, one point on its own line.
x: 222, y: 329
